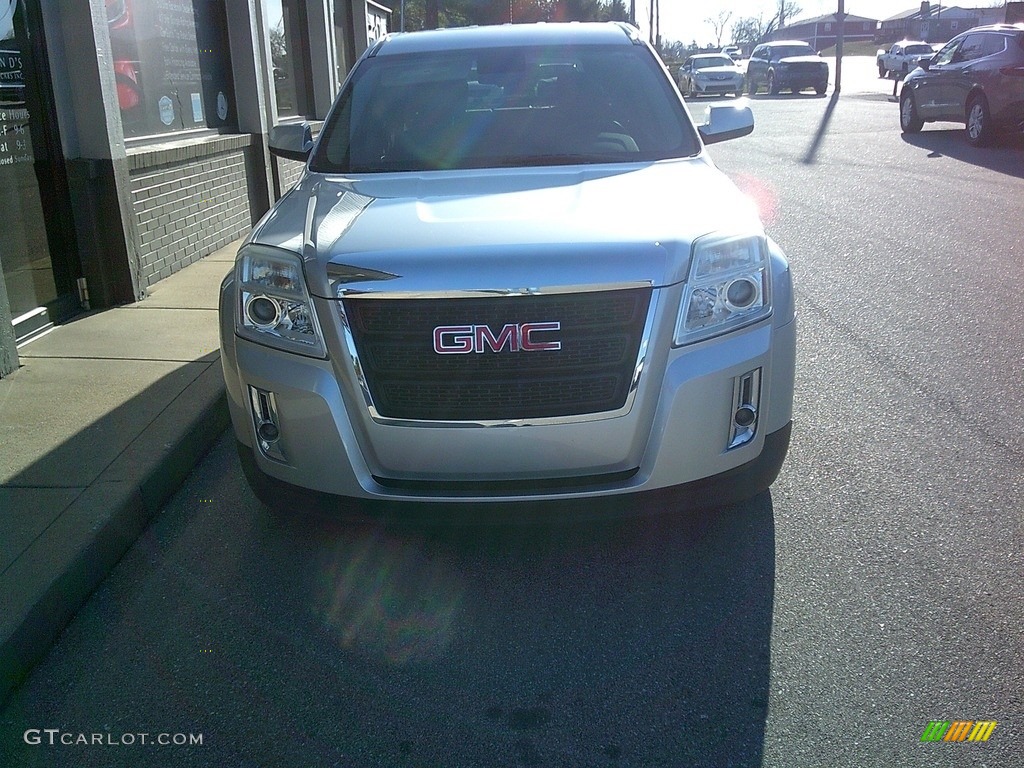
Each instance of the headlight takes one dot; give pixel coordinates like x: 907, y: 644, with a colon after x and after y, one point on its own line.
x: 274, y: 307
x: 728, y: 287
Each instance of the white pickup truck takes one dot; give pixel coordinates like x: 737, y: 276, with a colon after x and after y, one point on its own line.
x: 902, y: 57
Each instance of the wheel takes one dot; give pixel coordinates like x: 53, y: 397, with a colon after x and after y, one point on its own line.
x: 751, y: 86
x: 882, y: 71
x: 979, y: 122
x: 773, y: 87
x: 910, y: 121
x: 688, y: 90
x: 821, y: 88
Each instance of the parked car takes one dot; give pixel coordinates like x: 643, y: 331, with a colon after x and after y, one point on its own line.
x: 713, y: 73
x: 902, y: 57
x: 734, y: 52
x: 786, y: 65
x: 977, y: 78
x: 556, y: 296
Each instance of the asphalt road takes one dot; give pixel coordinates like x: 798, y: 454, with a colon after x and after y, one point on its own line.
x: 876, y: 588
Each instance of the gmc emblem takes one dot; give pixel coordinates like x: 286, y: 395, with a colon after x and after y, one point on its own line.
x: 518, y: 337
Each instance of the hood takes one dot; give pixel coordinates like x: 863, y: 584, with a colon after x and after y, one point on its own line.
x: 717, y: 71
x: 506, y: 229
x: 801, y: 60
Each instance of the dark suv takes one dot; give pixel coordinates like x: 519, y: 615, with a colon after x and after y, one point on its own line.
x: 977, y: 78
x: 786, y: 65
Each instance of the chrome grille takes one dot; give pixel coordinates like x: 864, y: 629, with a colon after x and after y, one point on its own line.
x: 600, y: 337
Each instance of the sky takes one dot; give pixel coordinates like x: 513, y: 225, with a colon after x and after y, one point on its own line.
x: 683, y: 20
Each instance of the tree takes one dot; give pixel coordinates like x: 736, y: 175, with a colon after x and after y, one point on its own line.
x: 718, y: 23
x: 787, y: 10
x: 751, y: 30
x: 420, y: 14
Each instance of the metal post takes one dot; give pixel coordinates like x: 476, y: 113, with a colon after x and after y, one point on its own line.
x: 841, y: 21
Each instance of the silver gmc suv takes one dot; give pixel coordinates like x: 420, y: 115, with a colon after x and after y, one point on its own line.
x: 510, y: 272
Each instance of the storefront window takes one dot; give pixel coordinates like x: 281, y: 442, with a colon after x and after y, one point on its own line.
x: 172, y: 65
x: 33, y: 226
x: 286, y: 22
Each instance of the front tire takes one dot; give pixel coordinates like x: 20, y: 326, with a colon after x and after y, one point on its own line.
x: 979, y: 122
x: 882, y: 71
x: 751, y: 86
x: 910, y: 121
x: 820, y: 89
x: 773, y: 87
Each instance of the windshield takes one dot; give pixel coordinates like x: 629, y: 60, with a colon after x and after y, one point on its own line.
x: 504, y: 107
x: 713, y: 61
x: 918, y: 49
x: 785, y: 51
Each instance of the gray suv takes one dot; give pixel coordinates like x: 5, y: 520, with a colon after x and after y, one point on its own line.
x: 786, y: 65
x: 509, y: 272
x: 977, y: 78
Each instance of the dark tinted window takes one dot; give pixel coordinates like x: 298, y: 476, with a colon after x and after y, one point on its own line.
x: 993, y: 44
x: 945, y: 54
x: 972, y: 48
x: 504, y: 107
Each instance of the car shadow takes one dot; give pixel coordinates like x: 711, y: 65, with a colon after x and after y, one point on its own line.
x: 1003, y: 156
x: 788, y: 96
x: 643, y: 639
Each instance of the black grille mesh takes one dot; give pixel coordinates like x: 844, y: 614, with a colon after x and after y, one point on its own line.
x: 600, y: 336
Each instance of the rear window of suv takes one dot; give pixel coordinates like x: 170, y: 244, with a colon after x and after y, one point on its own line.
x: 504, y: 107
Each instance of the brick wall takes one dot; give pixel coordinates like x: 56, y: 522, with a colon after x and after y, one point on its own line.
x: 288, y: 172
x: 188, y: 200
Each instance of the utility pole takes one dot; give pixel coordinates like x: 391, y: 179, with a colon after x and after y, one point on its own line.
x: 841, y: 21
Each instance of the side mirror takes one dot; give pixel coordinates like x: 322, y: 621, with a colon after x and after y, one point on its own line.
x: 725, y: 123
x: 293, y: 141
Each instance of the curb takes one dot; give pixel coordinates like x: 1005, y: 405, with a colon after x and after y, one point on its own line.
x: 62, y: 568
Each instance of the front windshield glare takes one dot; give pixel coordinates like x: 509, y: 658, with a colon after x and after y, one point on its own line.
x: 792, y: 50
x: 504, y: 107
x: 718, y: 61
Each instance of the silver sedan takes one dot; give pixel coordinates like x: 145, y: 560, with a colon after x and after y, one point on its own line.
x: 710, y: 73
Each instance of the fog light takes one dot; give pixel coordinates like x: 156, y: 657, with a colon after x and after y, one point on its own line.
x: 268, y: 432
x: 265, y: 421
x: 746, y: 395
x: 745, y: 416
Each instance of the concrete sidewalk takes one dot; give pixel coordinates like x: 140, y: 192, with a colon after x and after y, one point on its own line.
x: 100, y: 426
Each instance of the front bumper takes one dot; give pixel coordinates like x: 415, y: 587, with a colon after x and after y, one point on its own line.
x: 718, y: 86
x: 801, y: 80
x: 676, y: 433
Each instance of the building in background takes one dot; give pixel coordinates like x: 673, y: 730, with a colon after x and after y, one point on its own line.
x: 935, y: 23
x: 821, y: 32
x: 133, y: 137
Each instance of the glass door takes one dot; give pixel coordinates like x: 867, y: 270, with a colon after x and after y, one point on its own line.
x: 37, y: 252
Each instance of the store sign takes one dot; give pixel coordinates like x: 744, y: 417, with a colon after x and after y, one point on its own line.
x: 15, y: 143
x: 12, y: 83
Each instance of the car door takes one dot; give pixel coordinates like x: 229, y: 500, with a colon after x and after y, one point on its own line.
x: 892, y: 60
x: 928, y: 86
x: 958, y: 77
x: 685, y: 74
x: 757, y: 66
